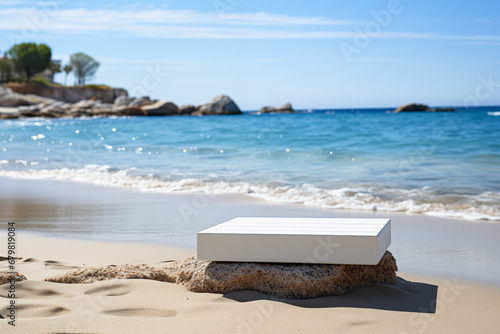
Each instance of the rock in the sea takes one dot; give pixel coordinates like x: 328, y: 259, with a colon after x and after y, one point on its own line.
x: 30, y: 113
x: 129, y: 111
x: 122, y: 101
x: 140, y: 101
x: 283, y: 280
x: 10, y: 99
x: 442, y: 109
x: 420, y: 107
x: 9, y: 115
x: 7, y: 277
x: 284, y: 109
x: 220, y: 105
x: 412, y: 107
x: 187, y: 109
x: 67, y: 94
x: 160, y: 108
x: 85, y: 104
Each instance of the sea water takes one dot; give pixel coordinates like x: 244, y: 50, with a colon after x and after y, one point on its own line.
x: 441, y: 163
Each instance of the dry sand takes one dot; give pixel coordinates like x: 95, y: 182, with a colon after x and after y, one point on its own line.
x: 143, y: 306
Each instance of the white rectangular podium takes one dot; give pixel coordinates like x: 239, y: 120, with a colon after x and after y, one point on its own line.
x: 296, y: 240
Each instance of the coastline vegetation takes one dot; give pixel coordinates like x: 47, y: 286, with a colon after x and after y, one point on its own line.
x: 31, y: 62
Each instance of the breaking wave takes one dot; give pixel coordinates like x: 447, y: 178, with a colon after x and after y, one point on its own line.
x: 426, y: 200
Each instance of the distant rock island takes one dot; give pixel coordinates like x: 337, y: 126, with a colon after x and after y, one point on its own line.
x: 420, y: 107
x: 284, y: 109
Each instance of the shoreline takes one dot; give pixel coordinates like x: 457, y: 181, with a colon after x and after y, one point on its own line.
x: 314, y: 196
x: 415, y: 304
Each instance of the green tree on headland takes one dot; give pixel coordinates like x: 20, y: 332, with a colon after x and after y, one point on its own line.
x: 5, y: 69
x: 67, y: 69
x: 30, y: 58
x: 84, y: 67
x: 54, y: 67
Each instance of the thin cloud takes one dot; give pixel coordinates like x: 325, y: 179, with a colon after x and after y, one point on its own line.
x: 167, y: 24
x: 375, y: 59
x: 481, y: 43
x: 110, y: 17
x: 13, y: 2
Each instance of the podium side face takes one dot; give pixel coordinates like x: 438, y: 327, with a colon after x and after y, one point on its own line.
x: 289, y: 240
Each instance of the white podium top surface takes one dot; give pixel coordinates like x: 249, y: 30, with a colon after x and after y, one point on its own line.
x: 300, y: 226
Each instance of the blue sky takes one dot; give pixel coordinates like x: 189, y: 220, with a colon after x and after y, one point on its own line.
x: 314, y: 54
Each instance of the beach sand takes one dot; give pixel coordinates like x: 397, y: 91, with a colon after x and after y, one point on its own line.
x: 143, y: 306
x: 448, y: 279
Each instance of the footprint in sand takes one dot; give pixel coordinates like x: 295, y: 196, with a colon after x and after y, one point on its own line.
x: 33, y: 290
x: 20, y: 259
x: 111, y: 289
x: 58, y: 265
x: 141, y: 312
x: 36, y: 311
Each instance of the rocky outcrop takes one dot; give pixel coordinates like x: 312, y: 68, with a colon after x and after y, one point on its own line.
x: 122, y: 101
x: 140, y: 101
x: 284, y: 109
x: 129, y: 111
x: 419, y: 107
x: 188, y: 109
x: 441, y: 109
x: 38, y: 106
x: 279, y: 279
x: 54, y: 109
x: 10, y: 99
x: 160, y: 108
x: 220, y: 105
x: 68, y: 94
x: 9, y: 113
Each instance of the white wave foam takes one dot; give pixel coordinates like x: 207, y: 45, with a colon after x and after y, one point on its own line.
x: 480, y: 207
x: 494, y: 113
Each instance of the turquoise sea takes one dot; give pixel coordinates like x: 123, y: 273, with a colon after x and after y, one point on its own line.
x: 444, y: 164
